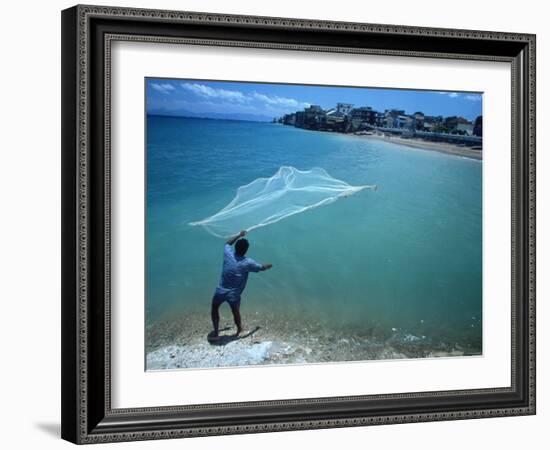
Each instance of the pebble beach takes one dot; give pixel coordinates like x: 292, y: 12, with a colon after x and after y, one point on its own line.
x: 182, y: 342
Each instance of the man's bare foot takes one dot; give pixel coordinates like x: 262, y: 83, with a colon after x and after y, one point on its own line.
x: 214, y: 337
x: 239, y: 331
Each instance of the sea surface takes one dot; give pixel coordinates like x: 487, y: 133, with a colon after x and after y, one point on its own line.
x: 405, y: 258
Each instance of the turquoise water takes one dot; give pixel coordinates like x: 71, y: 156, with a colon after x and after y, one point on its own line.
x: 406, y: 256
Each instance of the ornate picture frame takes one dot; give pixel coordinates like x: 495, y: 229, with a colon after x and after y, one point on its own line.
x: 88, y: 33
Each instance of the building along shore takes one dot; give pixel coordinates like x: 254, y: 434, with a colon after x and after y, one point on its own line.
x: 453, y: 134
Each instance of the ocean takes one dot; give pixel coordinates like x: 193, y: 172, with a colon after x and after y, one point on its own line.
x: 403, y: 260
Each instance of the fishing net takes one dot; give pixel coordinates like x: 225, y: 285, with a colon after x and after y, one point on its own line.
x: 268, y: 200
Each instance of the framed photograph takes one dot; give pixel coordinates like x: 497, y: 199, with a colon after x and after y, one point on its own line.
x: 278, y: 224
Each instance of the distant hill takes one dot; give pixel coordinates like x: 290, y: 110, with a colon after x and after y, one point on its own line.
x: 208, y: 115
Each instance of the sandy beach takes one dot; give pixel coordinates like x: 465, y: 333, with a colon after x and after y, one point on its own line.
x: 442, y: 147
x: 271, y: 338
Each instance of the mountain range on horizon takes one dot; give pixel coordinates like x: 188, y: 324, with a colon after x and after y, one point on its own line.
x: 211, y: 115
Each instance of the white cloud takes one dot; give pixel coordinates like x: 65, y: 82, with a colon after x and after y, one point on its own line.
x: 471, y: 97
x: 450, y: 94
x: 272, y: 103
x: 279, y: 101
x: 474, y: 97
x: 164, y: 88
x: 209, y: 92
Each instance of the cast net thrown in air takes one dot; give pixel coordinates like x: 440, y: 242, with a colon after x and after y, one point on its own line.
x: 268, y: 200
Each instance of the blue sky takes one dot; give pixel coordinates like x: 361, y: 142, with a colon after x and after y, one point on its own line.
x: 274, y: 100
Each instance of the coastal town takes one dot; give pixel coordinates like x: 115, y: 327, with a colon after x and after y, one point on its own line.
x: 392, y: 123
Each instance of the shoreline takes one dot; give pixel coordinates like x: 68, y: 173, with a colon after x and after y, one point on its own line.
x: 421, y: 144
x: 441, y: 147
x: 271, y: 339
x: 415, y: 142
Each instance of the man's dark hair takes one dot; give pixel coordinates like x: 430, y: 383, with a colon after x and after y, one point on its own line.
x: 241, y: 246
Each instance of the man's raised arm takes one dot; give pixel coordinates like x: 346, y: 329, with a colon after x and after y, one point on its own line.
x: 234, y: 239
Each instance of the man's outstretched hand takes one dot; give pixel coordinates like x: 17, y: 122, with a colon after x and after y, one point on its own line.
x: 242, y: 233
x: 268, y: 266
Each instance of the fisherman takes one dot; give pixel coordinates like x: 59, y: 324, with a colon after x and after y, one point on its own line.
x: 236, y: 267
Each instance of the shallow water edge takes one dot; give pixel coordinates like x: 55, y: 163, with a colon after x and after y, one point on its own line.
x: 182, y: 342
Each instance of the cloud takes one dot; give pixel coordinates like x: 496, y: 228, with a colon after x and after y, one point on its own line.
x: 209, y: 92
x: 164, y: 88
x: 450, y: 94
x: 470, y: 97
x: 256, y: 100
x: 279, y: 101
x: 474, y: 97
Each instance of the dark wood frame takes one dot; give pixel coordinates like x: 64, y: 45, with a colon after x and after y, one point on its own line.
x: 87, y: 31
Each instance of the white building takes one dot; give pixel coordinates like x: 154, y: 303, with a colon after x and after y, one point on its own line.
x: 467, y: 127
x: 344, y: 108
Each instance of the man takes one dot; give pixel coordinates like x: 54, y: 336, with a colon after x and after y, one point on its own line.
x: 236, y: 267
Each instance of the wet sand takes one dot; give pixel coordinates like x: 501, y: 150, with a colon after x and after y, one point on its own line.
x: 182, y: 342
x: 442, y: 147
